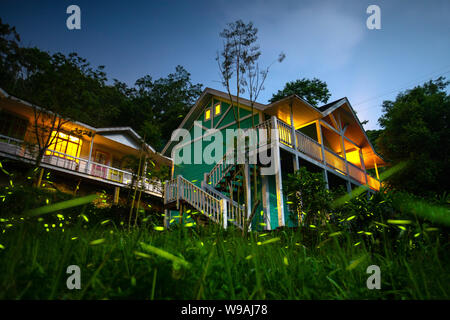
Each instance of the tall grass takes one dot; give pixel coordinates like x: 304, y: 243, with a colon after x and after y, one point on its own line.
x: 118, y: 264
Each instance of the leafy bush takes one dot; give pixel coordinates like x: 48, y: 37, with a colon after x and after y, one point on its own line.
x: 309, y: 197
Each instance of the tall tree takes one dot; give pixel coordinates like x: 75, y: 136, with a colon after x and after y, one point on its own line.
x: 238, y: 67
x: 157, y: 107
x: 312, y: 90
x: 416, y: 130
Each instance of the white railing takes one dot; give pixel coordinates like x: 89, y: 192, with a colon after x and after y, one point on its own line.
x: 373, y: 183
x: 236, y: 212
x: 61, y: 160
x: 221, y: 169
x: 313, y: 149
x: 334, y: 161
x: 356, y: 173
x: 309, y: 146
x: 228, y: 161
x: 212, y: 204
x: 285, y: 134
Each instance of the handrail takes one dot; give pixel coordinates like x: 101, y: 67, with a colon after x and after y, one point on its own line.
x: 219, y: 194
x: 202, y: 201
x: 222, y: 167
x: 11, y: 139
x: 307, y: 137
x: 81, y: 165
x: 210, y: 203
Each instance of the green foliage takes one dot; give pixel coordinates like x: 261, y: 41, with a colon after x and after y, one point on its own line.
x: 186, y: 263
x: 416, y: 129
x: 373, y: 137
x: 309, y: 196
x: 189, y: 262
x: 156, y: 107
x: 313, y: 91
x: 69, y: 86
x: 17, y: 199
x: 66, y: 85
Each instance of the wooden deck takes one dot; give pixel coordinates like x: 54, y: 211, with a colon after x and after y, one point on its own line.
x: 15, y: 149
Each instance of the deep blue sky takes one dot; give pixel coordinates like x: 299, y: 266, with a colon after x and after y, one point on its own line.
x: 324, y: 39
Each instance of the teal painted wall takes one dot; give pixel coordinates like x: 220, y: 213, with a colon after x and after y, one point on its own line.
x: 195, y: 172
x: 273, y: 202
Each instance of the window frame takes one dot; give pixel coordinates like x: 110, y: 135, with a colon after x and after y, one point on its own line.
x: 206, y: 112
x: 218, y: 104
x: 64, y: 143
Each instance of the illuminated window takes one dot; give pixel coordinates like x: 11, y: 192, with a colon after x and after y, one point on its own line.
x: 207, y: 114
x: 217, y: 109
x: 353, y: 157
x: 68, y: 147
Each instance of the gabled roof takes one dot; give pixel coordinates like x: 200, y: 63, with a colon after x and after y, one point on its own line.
x: 331, y: 106
x: 197, y: 109
x: 128, y: 130
x: 321, y: 111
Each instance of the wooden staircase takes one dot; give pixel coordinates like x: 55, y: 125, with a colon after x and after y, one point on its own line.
x: 209, y: 202
x: 210, y: 199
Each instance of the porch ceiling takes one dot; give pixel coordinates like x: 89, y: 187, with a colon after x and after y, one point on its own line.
x: 303, y: 113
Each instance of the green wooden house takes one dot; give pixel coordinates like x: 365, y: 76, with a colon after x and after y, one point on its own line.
x: 328, y: 139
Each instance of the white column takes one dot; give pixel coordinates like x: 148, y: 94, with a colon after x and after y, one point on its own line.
x: 90, y: 153
x: 363, y: 165
x: 278, y: 177
x: 223, y: 204
x: 248, y: 189
x: 266, y: 202
x: 349, y: 186
x: 325, y: 177
x: 320, y: 138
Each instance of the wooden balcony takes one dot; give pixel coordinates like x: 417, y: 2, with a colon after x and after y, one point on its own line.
x: 326, y: 157
x: 62, y: 162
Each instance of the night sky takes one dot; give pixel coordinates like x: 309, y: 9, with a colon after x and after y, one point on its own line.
x: 324, y: 39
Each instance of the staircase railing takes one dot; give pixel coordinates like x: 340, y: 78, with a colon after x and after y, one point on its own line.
x: 212, y: 204
x: 222, y: 167
x: 235, y: 211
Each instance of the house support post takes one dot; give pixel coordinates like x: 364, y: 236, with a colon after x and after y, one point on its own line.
x: 39, y: 181
x: 349, y: 186
x: 116, y: 195
x: 248, y: 192
x: 223, y: 204
x: 320, y: 138
x: 325, y: 177
x: 278, y: 177
x: 376, y: 169
x: 363, y: 165
x: 166, y: 218
x: 294, y: 139
x: 266, y: 203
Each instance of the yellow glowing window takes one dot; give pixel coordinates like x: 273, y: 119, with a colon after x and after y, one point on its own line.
x: 64, y: 146
x: 353, y: 157
x: 217, y: 109
x: 208, y: 114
